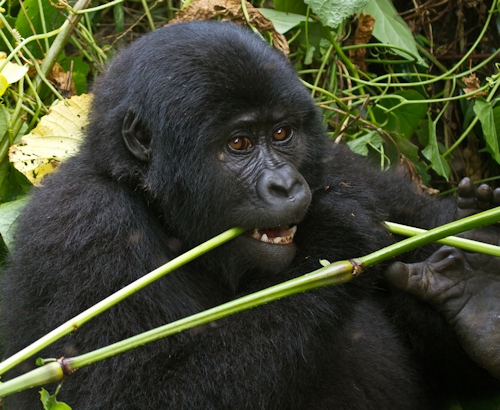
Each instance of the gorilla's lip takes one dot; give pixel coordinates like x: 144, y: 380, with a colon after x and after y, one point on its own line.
x: 281, y: 235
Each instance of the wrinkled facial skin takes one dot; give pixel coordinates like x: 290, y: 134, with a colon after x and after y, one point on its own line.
x: 262, y: 156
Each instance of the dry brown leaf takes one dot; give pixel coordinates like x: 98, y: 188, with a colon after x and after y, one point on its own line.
x: 231, y: 10
x: 472, y: 84
x: 61, y: 79
x: 362, y: 36
x: 408, y: 169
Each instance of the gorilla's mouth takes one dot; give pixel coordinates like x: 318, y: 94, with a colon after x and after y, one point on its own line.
x: 281, y: 235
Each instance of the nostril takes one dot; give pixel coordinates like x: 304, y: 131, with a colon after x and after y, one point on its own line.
x: 279, y: 190
x: 277, y: 185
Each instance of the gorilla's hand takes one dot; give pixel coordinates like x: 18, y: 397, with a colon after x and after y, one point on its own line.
x: 471, y: 200
x: 465, y: 288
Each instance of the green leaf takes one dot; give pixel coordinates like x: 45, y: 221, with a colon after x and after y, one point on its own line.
x: 281, y: 20
x: 119, y: 17
x: 490, y: 120
x: 79, y: 71
x: 4, y: 120
x: 391, y: 29
x: 406, y: 148
x: 333, y: 12
x: 291, y: 6
x: 403, y: 120
x: 31, y: 21
x: 360, y: 145
x: 50, y: 403
x: 9, y: 212
x: 431, y: 152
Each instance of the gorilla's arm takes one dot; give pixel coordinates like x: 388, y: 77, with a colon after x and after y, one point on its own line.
x: 461, y: 288
x: 465, y: 288
x: 374, y: 196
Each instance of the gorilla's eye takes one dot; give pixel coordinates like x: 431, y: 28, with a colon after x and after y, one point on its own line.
x: 282, y: 133
x: 240, y: 143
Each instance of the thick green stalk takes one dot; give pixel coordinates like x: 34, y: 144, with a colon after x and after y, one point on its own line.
x: 116, y: 297
x: 61, y: 40
x: 475, y: 221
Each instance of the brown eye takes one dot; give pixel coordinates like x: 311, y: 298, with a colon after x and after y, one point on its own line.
x: 240, y: 143
x: 282, y: 133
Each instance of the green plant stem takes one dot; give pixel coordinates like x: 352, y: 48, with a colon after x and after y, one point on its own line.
x: 116, y: 297
x: 333, y: 274
x: 334, y: 98
x: 321, y: 70
x: 97, y: 8
x: 474, y: 121
x: 148, y: 15
x: 455, y: 241
x: 60, y: 41
x: 471, y: 222
x: 42, y: 20
x: 48, y: 373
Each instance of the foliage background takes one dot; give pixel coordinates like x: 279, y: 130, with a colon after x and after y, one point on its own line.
x: 409, y: 83
x: 413, y: 84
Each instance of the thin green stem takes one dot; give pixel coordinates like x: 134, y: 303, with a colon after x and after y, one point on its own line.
x: 97, y: 8
x: 455, y: 241
x: 148, y: 14
x: 321, y: 69
x: 475, y: 221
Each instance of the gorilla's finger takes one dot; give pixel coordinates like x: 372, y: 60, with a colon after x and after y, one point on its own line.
x: 484, y: 197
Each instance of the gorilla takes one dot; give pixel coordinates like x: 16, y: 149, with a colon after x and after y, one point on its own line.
x: 197, y: 128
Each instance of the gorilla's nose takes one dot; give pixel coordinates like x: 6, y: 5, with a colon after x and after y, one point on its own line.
x: 283, y: 187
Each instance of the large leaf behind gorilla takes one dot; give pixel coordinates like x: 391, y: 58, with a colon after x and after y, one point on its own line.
x: 404, y: 119
x: 334, y: 12
x: 390, y: 28
x: 54, y: 139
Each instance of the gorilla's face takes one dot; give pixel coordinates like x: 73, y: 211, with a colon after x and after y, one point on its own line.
x: 261, y: 156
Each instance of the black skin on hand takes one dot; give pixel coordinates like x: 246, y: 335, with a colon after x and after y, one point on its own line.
x: 464, y: 287
x: 472, y: 199
x: 197, y: 128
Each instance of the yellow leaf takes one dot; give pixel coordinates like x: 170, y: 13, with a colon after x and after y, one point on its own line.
x: 55, y: 138
x: 3, y: 84
x: 13, y: 72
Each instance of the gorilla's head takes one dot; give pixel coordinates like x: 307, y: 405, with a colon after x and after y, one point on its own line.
x: 215, y: 128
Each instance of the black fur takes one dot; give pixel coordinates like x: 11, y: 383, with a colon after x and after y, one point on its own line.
x: 154, y: 178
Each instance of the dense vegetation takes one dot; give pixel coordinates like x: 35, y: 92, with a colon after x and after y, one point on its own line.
x: 416, y: 86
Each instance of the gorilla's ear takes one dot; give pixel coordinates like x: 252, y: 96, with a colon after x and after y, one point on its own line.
x: 137, y: 136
